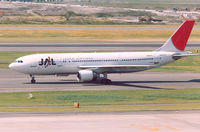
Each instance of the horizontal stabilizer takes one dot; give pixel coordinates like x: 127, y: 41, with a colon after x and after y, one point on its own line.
x: 185, y: 55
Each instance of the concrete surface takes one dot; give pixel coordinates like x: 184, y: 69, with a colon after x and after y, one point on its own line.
x: 11, y: 81
x: 56, y: 47
x: 92, y: 28
x: 149, y: 121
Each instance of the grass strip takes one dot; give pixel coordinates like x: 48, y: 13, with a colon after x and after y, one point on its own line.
x: 90, y: 100
x: 114, y: 100
x: 89, y: 36
x: 107, y: 108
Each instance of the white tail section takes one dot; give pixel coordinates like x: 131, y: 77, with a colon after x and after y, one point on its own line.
x: 178, y: 41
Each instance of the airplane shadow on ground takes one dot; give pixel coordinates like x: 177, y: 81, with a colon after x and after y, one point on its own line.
x: 132, y: 84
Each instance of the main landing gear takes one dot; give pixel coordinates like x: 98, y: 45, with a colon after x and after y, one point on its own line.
x: 105, y: 80
x: 32, y: 79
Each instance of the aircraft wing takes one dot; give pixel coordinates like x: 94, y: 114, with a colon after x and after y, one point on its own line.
x: 117, y: 66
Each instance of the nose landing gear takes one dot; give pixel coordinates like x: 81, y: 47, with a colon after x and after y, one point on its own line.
x: 32, y: 79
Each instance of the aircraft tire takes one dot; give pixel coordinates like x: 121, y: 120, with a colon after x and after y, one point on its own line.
x: 33, y: 81
x: 105, y: 81
x: 108, y: 81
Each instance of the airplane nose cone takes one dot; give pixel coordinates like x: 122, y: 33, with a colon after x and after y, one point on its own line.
x: 11, y: 66
x: 16, y: 67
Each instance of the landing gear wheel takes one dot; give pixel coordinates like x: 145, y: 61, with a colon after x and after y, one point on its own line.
x: 108, y: 81
x: 33, y: 81
x: 105, y: 81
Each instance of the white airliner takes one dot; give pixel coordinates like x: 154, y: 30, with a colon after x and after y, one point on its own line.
x: 96, y: 66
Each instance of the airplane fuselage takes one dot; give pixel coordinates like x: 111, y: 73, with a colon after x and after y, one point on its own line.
x: 68, y: 63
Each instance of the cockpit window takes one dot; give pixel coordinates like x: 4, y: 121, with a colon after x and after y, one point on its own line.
x: 19, y: 61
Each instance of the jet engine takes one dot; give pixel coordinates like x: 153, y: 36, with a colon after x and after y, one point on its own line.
x: 86, y: 75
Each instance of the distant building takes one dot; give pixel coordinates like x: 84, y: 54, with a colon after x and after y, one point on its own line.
x: 197, y: 9
x: 175, y: 9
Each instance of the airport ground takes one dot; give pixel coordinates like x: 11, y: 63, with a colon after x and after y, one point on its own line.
x: 86, y: 47
x: 92, y: 34
x: 15, y: 83
x: 158, y: 91
x: 144, y: 121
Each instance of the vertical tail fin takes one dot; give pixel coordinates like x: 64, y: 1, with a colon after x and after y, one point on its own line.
x: 178, y: 41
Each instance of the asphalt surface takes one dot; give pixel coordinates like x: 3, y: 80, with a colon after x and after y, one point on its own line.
x: 93, y: 28
x: 61, y: 47
x: 11, y: 81
x: 149, y: 121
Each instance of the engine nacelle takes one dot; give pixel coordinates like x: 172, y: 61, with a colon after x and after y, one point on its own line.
x: 86, y: 75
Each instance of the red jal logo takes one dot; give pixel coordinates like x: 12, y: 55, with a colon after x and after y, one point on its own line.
x: 46, y: 62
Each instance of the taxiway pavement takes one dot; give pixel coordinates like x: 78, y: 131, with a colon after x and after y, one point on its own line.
x: 11, y: 81
x: 146, y: 121
x: 92, y: 28
x: 62, y: 47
